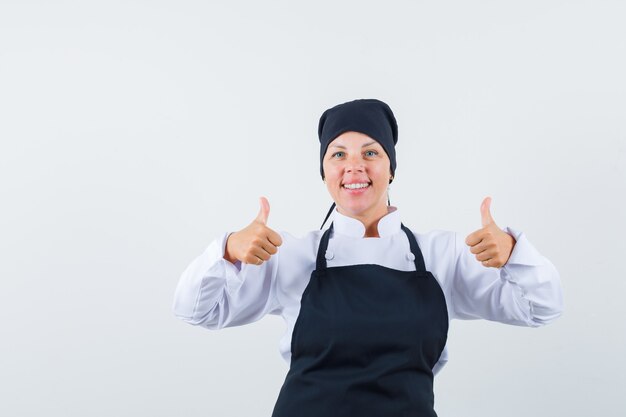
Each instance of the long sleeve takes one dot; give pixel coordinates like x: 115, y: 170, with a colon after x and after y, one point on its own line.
x: 214, y: 293
x: 526, y: 291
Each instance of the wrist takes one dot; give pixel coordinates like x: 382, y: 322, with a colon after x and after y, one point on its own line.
x: 511, y: 246
x: 227, y: 254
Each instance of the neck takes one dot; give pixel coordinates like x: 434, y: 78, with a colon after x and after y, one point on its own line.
x: 371, y: 230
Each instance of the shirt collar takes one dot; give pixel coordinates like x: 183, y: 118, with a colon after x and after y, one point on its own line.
x: 388, y: 225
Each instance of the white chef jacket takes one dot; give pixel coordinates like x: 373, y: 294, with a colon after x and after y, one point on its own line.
x: 215, y: 293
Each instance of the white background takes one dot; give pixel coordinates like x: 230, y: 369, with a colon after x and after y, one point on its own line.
x: 134, y: 132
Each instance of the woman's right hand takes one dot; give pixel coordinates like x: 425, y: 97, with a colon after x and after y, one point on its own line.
x: 256, y: 242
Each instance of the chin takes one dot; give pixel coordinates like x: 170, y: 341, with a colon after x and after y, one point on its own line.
x: 353, y: 210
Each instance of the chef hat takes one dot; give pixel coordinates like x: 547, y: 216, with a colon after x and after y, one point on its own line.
x: 369, y: 116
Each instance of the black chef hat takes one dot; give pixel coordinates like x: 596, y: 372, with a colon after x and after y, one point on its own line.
x: 369, y: 116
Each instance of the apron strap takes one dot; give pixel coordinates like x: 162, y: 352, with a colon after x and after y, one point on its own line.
x: 328, y: 215
x: 415, y: 249
x: 321, y: 252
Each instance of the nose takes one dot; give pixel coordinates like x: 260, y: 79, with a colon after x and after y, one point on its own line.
x: 355, y: 164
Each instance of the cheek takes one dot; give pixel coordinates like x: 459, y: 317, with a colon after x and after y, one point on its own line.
x: 330, y: 170
x: 326, y: 167
x: 382, y: 171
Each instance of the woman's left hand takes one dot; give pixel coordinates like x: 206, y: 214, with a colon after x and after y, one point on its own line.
x: 491, y: 245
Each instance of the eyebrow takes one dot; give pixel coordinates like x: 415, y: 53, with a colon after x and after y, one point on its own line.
x: 343, y: 147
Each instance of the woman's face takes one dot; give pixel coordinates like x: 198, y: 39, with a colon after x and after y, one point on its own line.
x: 355, y: 158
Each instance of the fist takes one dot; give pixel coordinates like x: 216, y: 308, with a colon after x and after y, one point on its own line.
x: 491, y: 245
x: 256, y: 242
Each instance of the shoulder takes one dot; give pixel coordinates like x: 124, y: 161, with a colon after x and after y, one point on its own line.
x: 309, y: 239
x: 439, y: 248
x: 302, y: 248
x: 436, y: 240
x: 296, y: 259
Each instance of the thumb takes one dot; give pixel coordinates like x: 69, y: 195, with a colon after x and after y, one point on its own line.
x: 485, y: 212
x: 264, y: 212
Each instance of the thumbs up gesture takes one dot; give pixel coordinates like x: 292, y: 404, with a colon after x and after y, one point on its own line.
x: 491, y: 245
x: 256, y: 242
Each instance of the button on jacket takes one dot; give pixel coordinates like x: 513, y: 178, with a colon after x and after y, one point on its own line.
x: 215, y: 293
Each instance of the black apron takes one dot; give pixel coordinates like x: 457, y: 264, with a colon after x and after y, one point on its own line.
x: 365, y: 341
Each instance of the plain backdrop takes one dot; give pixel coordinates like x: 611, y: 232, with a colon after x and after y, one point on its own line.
x: 134, y: 132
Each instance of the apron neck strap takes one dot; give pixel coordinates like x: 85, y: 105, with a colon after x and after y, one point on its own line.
x: 321, y: 252
x: 328, y: 215
x: 415, y: 249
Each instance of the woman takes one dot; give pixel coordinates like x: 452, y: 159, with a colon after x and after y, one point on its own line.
x: 367, y: 302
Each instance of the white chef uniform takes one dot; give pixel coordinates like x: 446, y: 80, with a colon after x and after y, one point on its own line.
x: 214, y: 293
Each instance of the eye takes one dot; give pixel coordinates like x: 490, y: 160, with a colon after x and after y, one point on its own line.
x: 370, y: 151
x: 336, y: 153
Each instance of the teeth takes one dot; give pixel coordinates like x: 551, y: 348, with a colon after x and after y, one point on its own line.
x: 355, y: 186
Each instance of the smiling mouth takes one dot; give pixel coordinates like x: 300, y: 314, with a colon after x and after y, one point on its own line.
x: 357, y: 186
